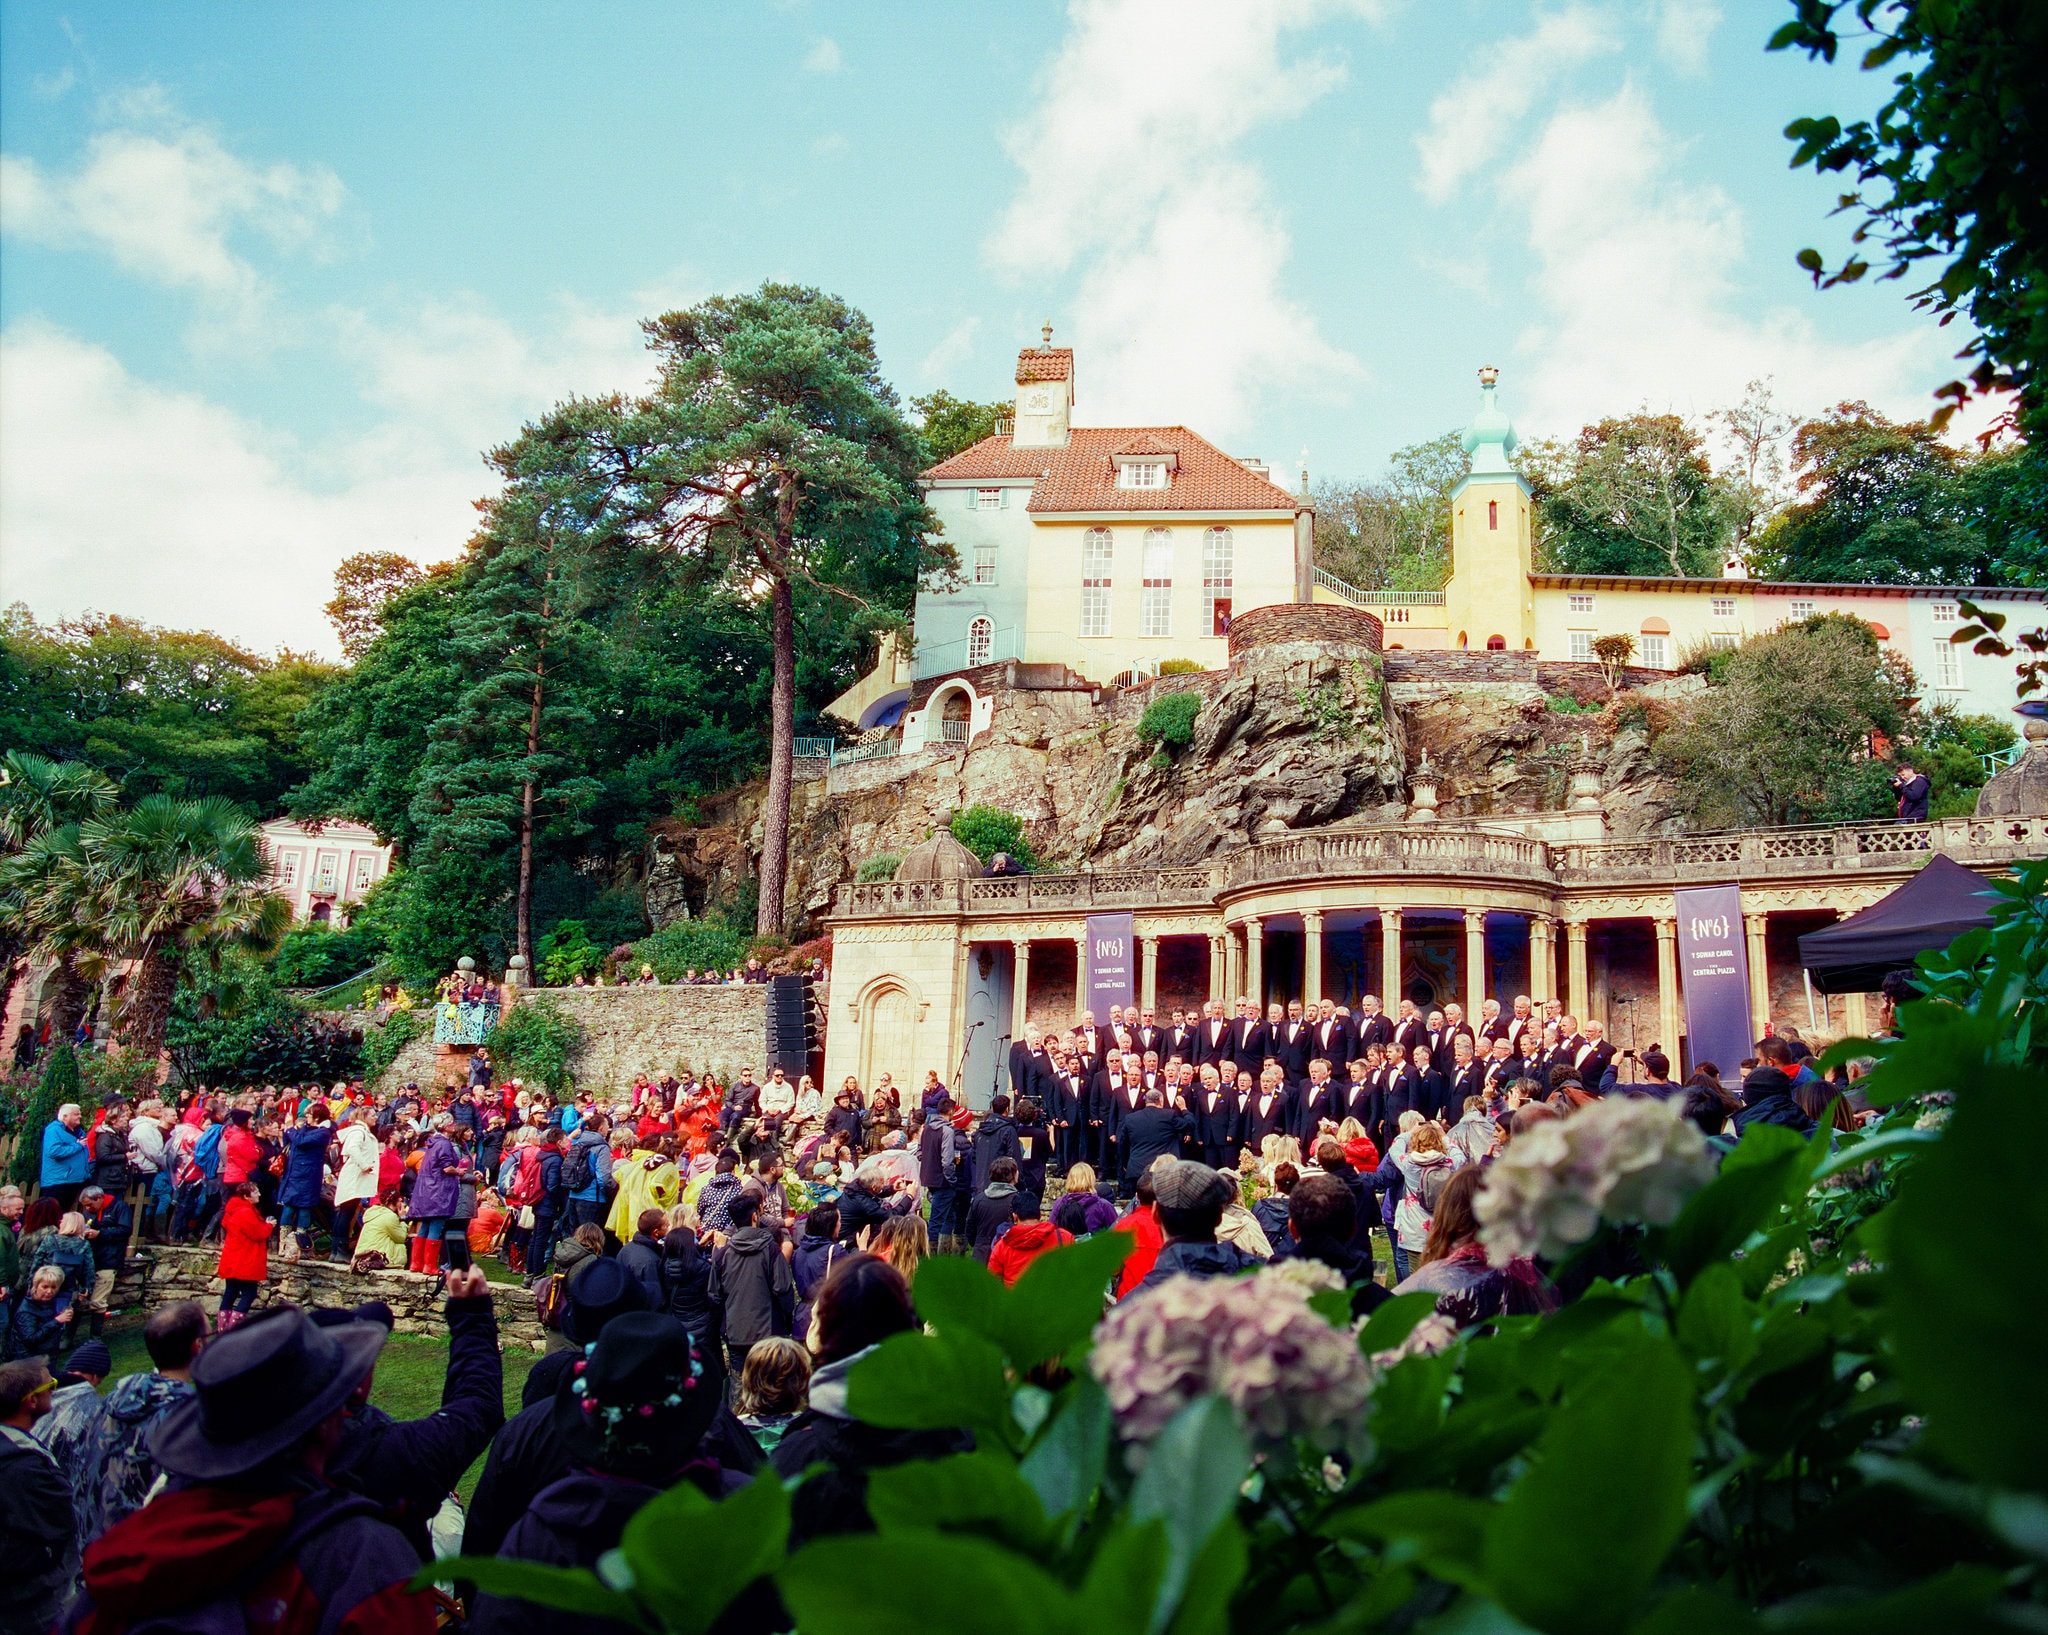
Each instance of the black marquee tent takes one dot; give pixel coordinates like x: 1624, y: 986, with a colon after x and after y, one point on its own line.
x: 1930, y: 910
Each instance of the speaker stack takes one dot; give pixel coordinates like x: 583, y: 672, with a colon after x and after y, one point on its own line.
x: 789, y: 1024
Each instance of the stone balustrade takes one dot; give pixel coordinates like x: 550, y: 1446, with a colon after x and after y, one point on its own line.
x: 1473, y: 853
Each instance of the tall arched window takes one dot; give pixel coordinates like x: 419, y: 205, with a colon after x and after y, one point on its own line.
x: 981, y: 637
x: 1096, y: 560
x: 1155, y: 606
x: 1217, y: 557
x: 1493, y: 513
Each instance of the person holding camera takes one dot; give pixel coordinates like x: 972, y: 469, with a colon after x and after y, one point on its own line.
x: 1912, y: 789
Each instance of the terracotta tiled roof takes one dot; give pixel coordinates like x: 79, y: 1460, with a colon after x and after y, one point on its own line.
x: 1082, y: 476
x: 1146, y: 443
x: 1045, y: 363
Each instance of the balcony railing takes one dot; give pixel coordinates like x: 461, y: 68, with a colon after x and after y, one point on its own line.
x: 1470, y: 855
x: 1378, y: 598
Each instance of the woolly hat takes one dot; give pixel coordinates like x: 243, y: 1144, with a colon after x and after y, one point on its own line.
x: 1184, y: 1184
x: 91, y: 1358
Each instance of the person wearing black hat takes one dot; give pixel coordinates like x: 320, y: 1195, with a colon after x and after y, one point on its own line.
x: 529, y: 1453
x: 408, y: 1467
x: 250, y: 1525
x: 632, y: 1415
x: 1190, y: 1202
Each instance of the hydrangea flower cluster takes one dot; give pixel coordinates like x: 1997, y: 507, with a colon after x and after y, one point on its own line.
x: 1254, y: 1341
x: 1623, y: 1158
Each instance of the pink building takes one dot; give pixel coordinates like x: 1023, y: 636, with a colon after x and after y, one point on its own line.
x: 324, y: 869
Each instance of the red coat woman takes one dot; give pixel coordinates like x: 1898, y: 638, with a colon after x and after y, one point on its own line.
x: 244, y: 1242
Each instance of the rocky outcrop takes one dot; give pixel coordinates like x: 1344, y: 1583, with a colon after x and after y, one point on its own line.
x: 1306, y: 728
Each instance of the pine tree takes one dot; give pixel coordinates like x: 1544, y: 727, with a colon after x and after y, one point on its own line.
x: 57, y: 1086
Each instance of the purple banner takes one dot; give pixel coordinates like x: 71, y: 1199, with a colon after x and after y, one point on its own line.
x: 1112, y: 963
x: 1713, y: 969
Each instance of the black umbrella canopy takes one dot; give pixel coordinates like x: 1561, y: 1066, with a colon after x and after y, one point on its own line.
x: 1930, y: 910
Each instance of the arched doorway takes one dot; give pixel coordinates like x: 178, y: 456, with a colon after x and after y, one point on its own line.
x: 888, y: 1038
x: 955, y: 712
x: 1496, y: 644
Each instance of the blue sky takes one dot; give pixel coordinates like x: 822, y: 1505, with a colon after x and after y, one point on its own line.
x: 271, y: 277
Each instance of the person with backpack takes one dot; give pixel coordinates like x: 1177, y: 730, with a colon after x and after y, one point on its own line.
x: 587, y: 1170
x: 816, y: 1253
x: 251, y: 1534
x: 686, y: 1278
x: 522, y: 1185
x: 549, y: 1208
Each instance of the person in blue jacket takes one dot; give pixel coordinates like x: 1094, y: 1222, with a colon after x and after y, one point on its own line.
x: 305, y: 1167
x: 66, y: 1162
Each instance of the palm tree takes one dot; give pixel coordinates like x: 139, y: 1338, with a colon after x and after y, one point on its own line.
x: 42, y: 802
x: 171, y: 883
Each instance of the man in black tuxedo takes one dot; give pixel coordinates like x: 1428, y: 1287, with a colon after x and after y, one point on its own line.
x: 1216, y: 1111
x: 1030, y: 1068
x: 1316, y: 1098
x: 1150, y: 1132
x: 1261, y: 1039
x: 1291, y: 1047
x: 1522, y: 1030
x: 1213, y: 1043
x: 1330, y: 1038
x: 1373, y: 1026
x: 1264, y: 1113
x: 1421, y: 1086
x: 1594, y: 1056
x: 1361, y: 1095
x: 1502, y: 1066
x: 1149, y: 1035
x: 1180, y: 1038
x: 1409, y: 1031
x: 1454, y: 1028
x: 1090, y: 1042
x: 1492, y: 1025
x: 1068, y: 1111
x: 1122, y: 1088
x: 1570, y: 1042
x: 1466, y: 1078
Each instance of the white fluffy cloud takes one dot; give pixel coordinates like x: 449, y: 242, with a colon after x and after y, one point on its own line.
x: 1636, y: 280
x: 1131, y: 175
x: 169, y: 205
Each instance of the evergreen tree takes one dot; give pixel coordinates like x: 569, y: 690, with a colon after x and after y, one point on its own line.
x: 56, y: 1086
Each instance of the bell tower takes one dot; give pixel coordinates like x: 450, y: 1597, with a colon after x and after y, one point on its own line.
x: 1489, y: 602
x: 1045, y: 395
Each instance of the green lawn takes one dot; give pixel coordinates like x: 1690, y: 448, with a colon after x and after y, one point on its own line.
x: 410, y: 1373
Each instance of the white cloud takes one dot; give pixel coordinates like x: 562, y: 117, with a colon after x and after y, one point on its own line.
x: 170, y: 205
x: 1684, y: 28
x: 1131, y: 178
x: 952, y: 349
x: 1472, y: 121
x: 824, y: 56
x: 1635, y: 277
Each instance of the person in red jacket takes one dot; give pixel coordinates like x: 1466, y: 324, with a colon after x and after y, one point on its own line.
x: 1024, y: 1240
x: 244, y: 1254
x: 1143, y: 1224
x: 240, y: 1153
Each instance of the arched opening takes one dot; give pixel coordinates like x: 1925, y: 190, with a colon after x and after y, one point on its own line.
x: 981, y: 637
x: 888, y: 1025
x: 956, y: 709
x: 1461, y: 641
x: 1529, y: 644
x: 323, y: 912
x: 1496, y: 644
x: 1394, y: 647
x: 1493, y: 513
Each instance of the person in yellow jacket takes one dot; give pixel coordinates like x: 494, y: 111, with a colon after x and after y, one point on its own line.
x: 646, y: 1180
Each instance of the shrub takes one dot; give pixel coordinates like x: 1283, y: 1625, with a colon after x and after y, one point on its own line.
x: 695, y: 944
x: 533, y: 1041
x: 1565, y: 704
x: 383, y: 1045
x: 1169, y: 722
x: 986, y: 830
x: 56, y: 1085
x: 318, y: 956
x: 882, y: 866
x: 566, y: 953
x: 1180, y: 667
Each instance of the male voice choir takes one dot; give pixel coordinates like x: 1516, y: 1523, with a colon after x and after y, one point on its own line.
x: 1208, y: 1085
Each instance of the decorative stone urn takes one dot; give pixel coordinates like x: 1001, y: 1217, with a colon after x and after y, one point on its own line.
x: 1422, y: 793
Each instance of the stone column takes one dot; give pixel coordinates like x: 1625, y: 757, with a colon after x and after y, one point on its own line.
x: 1390, y: 961
x: 1667, y: 988
x: 1020, y: 986
x: 1311, y: 958
x: 1216, y: 968
x: 956, y: 1011
x: 1081, y: 976
x: 1575, y: 969
x: 1542, y: 960
x: 1255, y: 961
x: 1148, y: 982
x: 1475, y: 964
x: 1233, y: 967
x: 1759, y: 973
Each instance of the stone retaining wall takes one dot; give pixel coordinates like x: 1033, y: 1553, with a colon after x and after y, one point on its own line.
x: 168, y: 1272
x: 627, y: 1031
x: 1304, y: 622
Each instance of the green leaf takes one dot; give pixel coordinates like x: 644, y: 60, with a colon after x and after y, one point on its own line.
x: 1053, y: 1307
x: 921, y: 1382
x: 1963, y: 1295
x: 1742, y: 1199
x: 1333, y: 1306
x: 732, y: 1543
x: 1066, y: 1464
x: 1394, y: 1321
x: 1122, y: 1585
x: 978, y: 1492
x: 1442, y: 1533
x: 1949, y: 1603
x: 1616, y: 1458
x: 1696, y: 1611
x: 1716, y: 1323
x: 1192, y: 1474
x: 854, y: 1586
x: 1219, y: 1568
x: 1407, y: 1409
x: 565, y: 1589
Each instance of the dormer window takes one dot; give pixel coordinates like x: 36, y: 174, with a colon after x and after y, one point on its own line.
x: 1142, y: 474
